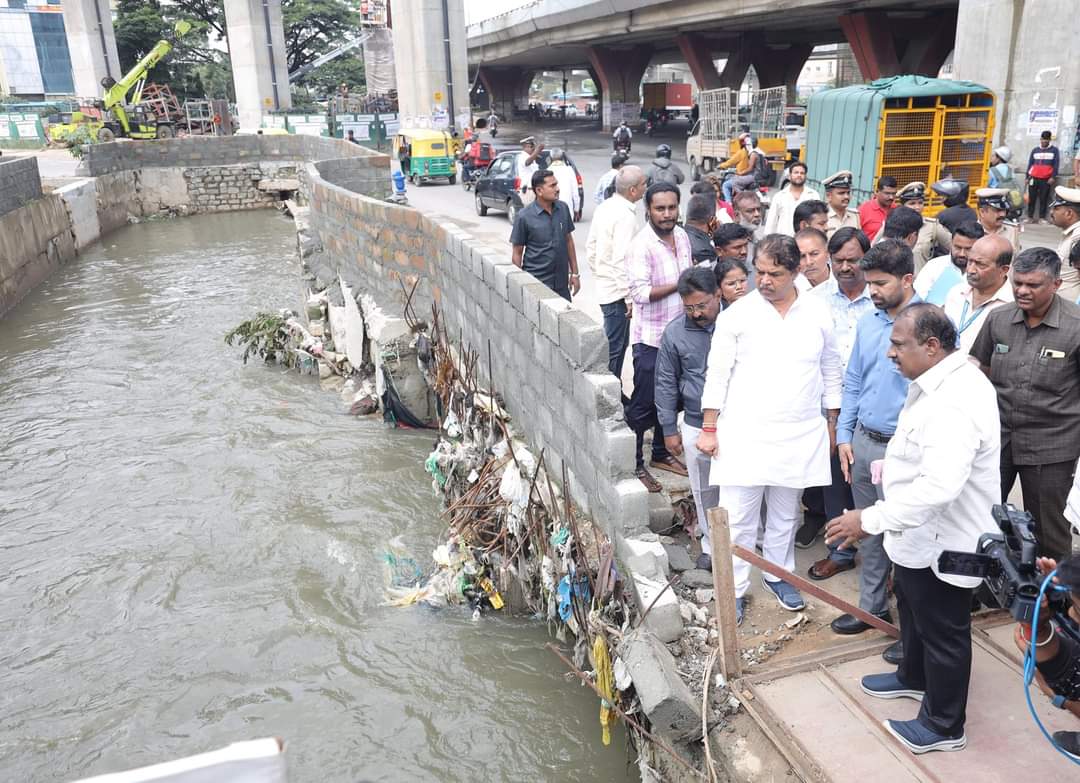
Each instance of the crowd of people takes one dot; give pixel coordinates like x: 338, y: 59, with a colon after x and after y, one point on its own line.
x: 829, y: 371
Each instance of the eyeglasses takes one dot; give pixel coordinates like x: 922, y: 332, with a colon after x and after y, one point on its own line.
x: 698, y: 308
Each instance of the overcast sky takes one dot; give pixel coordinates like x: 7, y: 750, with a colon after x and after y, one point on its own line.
x: 479, y: 10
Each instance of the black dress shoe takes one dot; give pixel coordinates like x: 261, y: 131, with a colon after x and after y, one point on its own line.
x: 894, y: 653
x: 808, y: 531
x: 849, y: 625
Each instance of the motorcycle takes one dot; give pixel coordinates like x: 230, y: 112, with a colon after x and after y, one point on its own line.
x: 470, y: 178
x: 649, y: 129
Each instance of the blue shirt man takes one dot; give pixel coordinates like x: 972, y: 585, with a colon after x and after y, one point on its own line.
x: 874, y: 393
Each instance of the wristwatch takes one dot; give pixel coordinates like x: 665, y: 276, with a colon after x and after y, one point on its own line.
x: 1058, y: 701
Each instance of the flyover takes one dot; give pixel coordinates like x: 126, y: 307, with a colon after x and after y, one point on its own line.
x: 617, y: 39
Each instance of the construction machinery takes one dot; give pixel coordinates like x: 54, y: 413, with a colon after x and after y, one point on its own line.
x: 723, y: 116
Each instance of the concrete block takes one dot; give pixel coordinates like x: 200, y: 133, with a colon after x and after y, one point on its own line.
x: 661, y: 514
x: 625, y: 506
x: 673, y: 711
x: 616, y: 453
x: 531, y: 296
x: 550, y: 309
x: 583, y: 340
x: 541, y: 351
x: 501, y: 275
x: 598, y: 394
x: 516, y: 283
x: 645, y: 556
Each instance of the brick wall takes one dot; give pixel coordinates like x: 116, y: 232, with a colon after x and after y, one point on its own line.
x: 550, y: 360
x: 19, y: 182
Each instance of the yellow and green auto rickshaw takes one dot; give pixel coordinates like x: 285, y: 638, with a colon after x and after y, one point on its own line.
x: 426, y: 154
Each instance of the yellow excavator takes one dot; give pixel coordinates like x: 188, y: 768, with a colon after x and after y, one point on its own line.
x: 124, y: 116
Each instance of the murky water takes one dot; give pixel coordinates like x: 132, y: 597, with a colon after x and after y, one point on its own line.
x: 189, y: 548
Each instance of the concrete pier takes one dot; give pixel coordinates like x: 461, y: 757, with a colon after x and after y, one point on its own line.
x: 92, y: 45
x: 420, y: 60
x: 257, y: 49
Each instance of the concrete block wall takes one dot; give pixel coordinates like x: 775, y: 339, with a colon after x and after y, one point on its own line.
x: 224, y: 188
x: 193, y: 152
x: 35, y: 240
x: 550, y: 360
x: 19, y: 182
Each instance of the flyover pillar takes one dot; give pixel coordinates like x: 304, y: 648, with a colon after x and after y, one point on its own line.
x: 507, y: 88
x: 92, y: 44
x: 421, y: 36
x: 781, y: 67
x: 738, y: 63
x: 889, y: 46
x: 698, y: 53
x: 620, y: 72
x: 1031, y: 67
x: 257, y: 51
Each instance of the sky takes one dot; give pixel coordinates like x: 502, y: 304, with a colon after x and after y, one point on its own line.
x: 479, y: 10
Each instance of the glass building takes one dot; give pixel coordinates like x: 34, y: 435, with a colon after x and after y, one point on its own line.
x: 34, y: 58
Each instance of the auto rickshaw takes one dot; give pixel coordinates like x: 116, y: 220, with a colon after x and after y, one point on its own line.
x: 425, y: 154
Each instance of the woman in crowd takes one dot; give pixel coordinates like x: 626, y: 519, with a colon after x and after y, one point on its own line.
x: 733, y: 280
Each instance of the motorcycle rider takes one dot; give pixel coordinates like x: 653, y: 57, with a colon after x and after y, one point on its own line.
x: 622, y: 137
x: 662, y: 169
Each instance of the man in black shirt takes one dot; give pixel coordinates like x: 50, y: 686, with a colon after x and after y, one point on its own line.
x: 700, y: 225
x: 1057, y: 657
x: 541, y: 238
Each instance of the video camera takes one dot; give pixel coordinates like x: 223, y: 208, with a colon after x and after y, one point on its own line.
x: 1005, y: 562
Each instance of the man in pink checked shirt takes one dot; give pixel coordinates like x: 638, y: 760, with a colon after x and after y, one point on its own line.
x: 656, y: 257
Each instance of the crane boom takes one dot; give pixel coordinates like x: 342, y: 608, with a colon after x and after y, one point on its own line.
x: 331, y: 55
x: 116, y: 91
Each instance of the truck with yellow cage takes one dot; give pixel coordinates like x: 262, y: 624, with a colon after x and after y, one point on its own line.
x: 916, y: 128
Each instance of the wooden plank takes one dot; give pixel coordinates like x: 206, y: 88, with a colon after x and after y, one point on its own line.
x: 811, y: 660
x: 723, y: 575
x: 809, y: 587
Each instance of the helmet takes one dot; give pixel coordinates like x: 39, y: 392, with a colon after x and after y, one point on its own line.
x: 663, y: 151
x: 954, y: 191
x: 1004, y: 153
x: 622, y: 123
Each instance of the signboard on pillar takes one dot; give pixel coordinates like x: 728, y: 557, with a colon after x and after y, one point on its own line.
x: 1039, y: 120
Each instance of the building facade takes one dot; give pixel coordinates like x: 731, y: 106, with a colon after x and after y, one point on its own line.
x: 34, y: 57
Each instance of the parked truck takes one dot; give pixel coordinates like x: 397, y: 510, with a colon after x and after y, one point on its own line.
x: 673, y: 97
x: 715, y: 136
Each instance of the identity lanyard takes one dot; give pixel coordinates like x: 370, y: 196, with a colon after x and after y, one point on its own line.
x: 965, y: 322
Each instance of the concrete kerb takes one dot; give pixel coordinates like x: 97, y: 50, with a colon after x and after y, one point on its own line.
x: 583, y: 340
x: 673, y: 711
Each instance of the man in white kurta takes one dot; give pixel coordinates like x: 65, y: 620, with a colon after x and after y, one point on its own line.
x: 773, y: 366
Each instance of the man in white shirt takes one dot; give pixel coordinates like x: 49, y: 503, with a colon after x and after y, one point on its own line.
x: 782, y: 208
x: 772, y: 352
x: 940, y: 274
x: 614, y: 224
x: 987, y: 286
x: 527, y: 166
x: 567, y: 179
x: 941, y: 475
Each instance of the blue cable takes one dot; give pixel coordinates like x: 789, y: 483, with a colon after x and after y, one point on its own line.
x: 1029, y: 667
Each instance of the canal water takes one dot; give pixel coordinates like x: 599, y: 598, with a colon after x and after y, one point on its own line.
x: 190, y: 547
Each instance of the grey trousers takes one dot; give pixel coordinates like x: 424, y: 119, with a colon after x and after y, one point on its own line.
x: 875, y: 565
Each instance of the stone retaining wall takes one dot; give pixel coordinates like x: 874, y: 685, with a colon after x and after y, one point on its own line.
x: 35, y: 240
x: 19, y: 182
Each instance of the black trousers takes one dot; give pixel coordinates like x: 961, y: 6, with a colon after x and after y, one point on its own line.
x: 1038, y: 193
x: 1045, y: 489
x: 829, y: 501
x: 641, y: 410
x: 935, y: 627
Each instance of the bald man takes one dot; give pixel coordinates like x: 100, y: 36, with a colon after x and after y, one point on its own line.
x: 986, y: 286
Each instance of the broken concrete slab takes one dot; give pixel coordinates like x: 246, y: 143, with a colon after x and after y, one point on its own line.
x: 665, y: 617
x: 673, y: 711
x: 678, y: 557
x: 644, y: 555
x: 278, y: 185
x: 697, y: 577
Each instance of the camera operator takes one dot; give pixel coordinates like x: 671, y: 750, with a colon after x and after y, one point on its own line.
x: 1057, y: 658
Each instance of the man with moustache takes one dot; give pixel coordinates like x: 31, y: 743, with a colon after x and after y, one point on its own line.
x: 658, y: 254
x: 813, y: 256
x: 940, y: 274
x: 680, y: 377
x: 811, y: 214
x: 782, y: 208
x: 1030, y: 349
x: 848, y: 298
x: 874, y: 393
x: 838, y: 196
x: 774, y: 353
x: 872, y: 213
x: 987, y: 287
